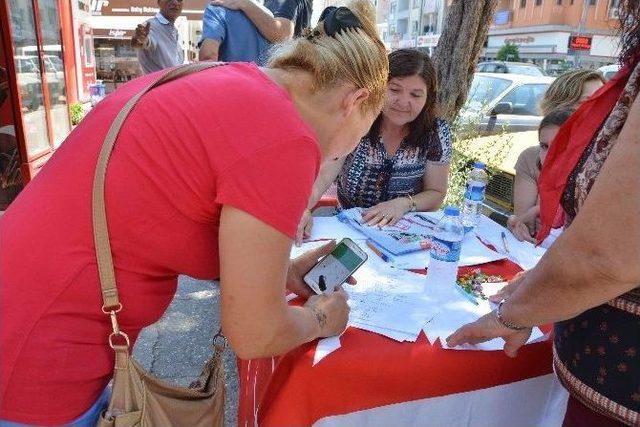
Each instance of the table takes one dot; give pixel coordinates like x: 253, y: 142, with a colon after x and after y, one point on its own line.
x: 375, y: 381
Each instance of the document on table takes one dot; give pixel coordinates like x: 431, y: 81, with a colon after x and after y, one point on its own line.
x: 525, y: 254
x: 456, y: 311
x: 390, y: 302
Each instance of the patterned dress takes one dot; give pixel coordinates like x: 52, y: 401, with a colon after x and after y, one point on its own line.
x: 370, y: 176
x: 597, y: 353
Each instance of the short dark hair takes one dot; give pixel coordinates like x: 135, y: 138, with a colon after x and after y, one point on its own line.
x: 557, y: 117
x: 411, y: 62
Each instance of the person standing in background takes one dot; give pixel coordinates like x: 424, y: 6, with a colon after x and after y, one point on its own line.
x: 157, y: 39
x: 243, y: 30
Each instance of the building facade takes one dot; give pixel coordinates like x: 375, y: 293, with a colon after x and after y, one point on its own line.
x: 412, y: 23
x: 557, y: 34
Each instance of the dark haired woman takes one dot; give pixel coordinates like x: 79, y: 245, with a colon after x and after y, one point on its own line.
x: 402, y: 164
x: 525, y: 221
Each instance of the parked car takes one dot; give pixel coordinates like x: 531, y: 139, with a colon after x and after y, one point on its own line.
x: 608, y: 71
x: 28, y: 70
x: 507, y: 67
x: 498, y: 203
x: 499, y: 103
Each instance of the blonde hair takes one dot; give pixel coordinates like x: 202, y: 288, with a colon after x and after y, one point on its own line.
x: 565, y: 91
x: 352, y: 55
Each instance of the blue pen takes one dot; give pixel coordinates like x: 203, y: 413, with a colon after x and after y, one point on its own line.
x: 467, y: 295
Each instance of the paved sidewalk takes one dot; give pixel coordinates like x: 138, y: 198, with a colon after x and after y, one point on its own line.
x: 176, y: 347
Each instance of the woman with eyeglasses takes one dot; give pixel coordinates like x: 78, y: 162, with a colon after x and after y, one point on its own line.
x: 402, y: 164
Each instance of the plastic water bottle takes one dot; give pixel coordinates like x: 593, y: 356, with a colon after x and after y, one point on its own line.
x: 447, y: 238
x: 474, y: 196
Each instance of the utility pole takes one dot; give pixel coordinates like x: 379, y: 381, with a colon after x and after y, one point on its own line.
x: 583, y: 19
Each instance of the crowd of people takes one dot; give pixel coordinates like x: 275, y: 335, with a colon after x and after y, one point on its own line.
x: 201, y: 181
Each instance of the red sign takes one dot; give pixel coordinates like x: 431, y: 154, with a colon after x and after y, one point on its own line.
x: 580, y: 43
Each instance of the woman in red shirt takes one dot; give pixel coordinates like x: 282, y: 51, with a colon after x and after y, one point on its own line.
x: 209, y: 177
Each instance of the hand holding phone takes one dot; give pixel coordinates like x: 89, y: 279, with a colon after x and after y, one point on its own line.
x: 335, y: 268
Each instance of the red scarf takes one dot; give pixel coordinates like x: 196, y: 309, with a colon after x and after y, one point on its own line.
x: 567, y: 148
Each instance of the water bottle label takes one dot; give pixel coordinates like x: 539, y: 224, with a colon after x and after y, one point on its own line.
x: 475, y: 191
x: 445, y: 250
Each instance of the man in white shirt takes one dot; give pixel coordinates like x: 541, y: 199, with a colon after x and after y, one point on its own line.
x: 157, y: 39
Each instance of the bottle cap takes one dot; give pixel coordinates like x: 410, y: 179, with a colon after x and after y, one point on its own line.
x: 451, y: 211
x: 479, y: 165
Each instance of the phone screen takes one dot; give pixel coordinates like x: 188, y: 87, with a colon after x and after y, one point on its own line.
x: 335, y: 267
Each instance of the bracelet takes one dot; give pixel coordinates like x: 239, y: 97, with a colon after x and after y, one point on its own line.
x: 413, y: 203
x: 506, y: 323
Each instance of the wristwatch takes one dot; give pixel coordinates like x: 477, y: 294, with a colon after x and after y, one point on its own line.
x: 506, y: 323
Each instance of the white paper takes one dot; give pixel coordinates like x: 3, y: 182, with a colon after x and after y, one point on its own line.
x: 456, y: 310
x: 330, y: 227
x: 525, y: 254
x: 390, y: 302
x: 325, y: 347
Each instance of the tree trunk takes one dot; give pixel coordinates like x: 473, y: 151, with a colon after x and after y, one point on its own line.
x: 458, y: 49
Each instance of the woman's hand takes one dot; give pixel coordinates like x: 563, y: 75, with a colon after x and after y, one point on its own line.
x: 301, y: 266
x: 331, y: 312
x: 304, y: 227
x: 506, y: 291
x: 519, y: 229
x: 387, y: 213
x: 487, y: 328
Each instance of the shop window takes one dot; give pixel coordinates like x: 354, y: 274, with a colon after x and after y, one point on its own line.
x: 592, y: 2
x: 559, y: 2
x: 54, y: 69
x: 538, y: 2
x: 27, y: 65
x: 523, y: 4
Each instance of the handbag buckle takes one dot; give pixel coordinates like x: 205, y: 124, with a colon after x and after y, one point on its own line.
x: 115, y: 326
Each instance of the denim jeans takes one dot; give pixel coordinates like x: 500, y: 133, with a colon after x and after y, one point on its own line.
x: 88, y: 419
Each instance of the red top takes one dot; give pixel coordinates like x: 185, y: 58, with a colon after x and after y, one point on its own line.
x: 225, y: 136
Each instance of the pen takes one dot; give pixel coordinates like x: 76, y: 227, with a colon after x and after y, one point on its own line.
x: 466, y: 294
x: 424, y: 218
x: 504, y: 243
x: 377, y: 251
x: 321, y: 283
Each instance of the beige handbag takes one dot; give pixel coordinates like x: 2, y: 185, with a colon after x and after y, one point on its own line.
x: 138, y: 398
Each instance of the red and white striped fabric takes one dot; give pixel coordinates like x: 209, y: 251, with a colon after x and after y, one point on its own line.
x: 375, y: 381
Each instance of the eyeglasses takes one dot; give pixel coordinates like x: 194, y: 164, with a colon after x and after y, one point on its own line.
x: 382, y: 182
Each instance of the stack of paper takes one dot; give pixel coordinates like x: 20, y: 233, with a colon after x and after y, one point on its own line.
x: 456, y: 311
x: 525, y: 254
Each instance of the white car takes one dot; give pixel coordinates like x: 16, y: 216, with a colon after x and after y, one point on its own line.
x: 504, y: 102
x: 609, y: 71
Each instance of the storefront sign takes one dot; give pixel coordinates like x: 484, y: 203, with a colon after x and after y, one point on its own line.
x: 580, y: 43
x: 142, y: 7
x: 428, y: 40
x: 520, y: 40
x: 112, y: 33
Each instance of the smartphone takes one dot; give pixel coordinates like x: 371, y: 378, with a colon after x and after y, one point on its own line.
x: 334, y: 269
